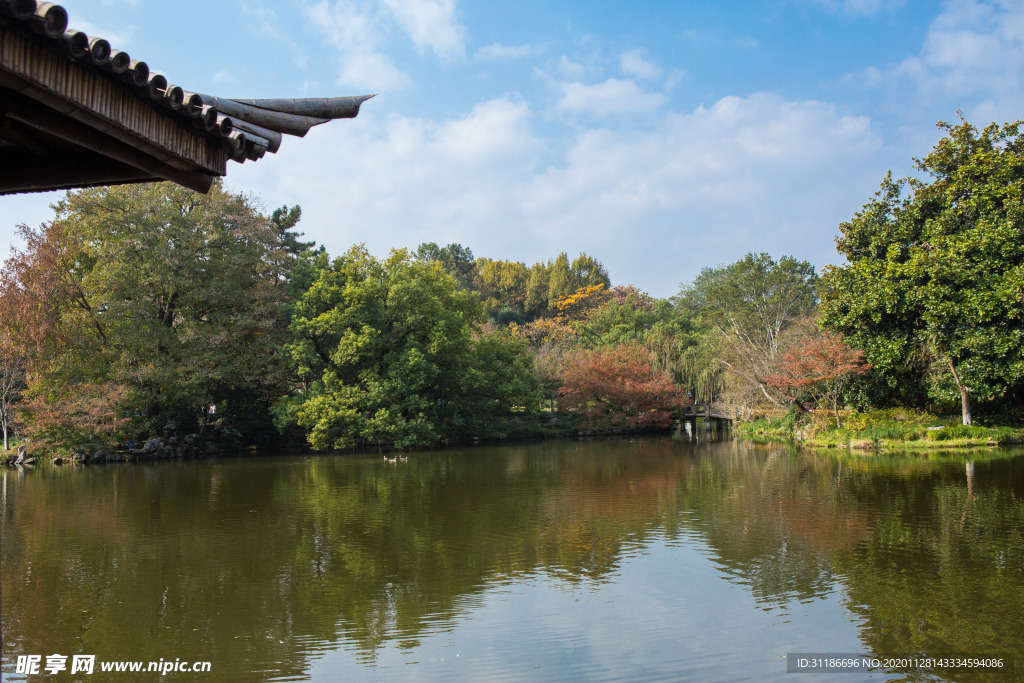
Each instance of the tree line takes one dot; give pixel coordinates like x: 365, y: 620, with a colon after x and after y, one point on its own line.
x: 144, y: 305
x: 926, y: 313
x: 150, y: 310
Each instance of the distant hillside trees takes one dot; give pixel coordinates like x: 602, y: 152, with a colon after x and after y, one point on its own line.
x: 503, y: 289
x: 511, y: 292
x: 455, y: 259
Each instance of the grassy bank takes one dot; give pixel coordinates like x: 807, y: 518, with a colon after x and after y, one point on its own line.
x: 902, y: 429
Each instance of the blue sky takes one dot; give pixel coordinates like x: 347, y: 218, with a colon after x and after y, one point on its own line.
x: 660, y: 137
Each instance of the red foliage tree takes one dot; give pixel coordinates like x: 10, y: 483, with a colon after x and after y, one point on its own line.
x: 618, y: 389
x: 641, y: 300
x: 35, y: 290
x: 821, y: 365
x: 83, y: 416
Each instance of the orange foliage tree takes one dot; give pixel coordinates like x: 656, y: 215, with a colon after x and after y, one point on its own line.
x: 821, y: 365
x: 617, y: 388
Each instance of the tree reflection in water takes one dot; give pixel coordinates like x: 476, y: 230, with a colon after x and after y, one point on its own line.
x: 259, y: 564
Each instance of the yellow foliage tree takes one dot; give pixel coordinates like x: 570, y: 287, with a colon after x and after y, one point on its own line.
x: 543, y: 331
x: 577, y: 306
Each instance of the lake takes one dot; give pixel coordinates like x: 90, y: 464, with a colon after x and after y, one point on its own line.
x: 644, y: 559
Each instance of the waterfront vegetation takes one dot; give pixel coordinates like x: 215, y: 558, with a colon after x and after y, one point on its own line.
x: 150, y: 320
x: 891, y: 429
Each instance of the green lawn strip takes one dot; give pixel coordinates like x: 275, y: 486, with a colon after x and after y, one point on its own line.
x: 904, y: 430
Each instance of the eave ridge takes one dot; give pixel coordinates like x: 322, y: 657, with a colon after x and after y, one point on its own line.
x: 329, y: 108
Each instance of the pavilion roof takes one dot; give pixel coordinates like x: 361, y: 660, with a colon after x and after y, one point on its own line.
x: 76, y: 112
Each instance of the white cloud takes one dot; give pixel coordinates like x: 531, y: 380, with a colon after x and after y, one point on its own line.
x: 359, y: 29
x: 493, y: 130
x: 346, y: 24
x: 356, y: 30
x: 498, y: 51
x: 673, y: 79
x: 973, y: 52
x: 613, y: 97
x: 119, y: 39
x: 268, y: 23
x: 401, y: 181
x: 634, y: 64
x: 371, y: 70
x: 430, y: 24
x: 570, y: 69
x: 746, y: 174
x: 223, y: 76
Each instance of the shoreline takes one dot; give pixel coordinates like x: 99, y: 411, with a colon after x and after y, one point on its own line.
x: 174, y: 449
x: 919, y: 434
x: 765, y: 430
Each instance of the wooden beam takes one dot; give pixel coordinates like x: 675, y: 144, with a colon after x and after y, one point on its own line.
x: 41, y: 118
x: 20, y: 135
x: 23, y: 171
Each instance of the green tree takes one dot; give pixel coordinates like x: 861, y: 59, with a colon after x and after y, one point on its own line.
x: 456, y: 260
x: 699, y: 371
x: 935, y: 280
x: 284, y: 220
x: 503, y: 285
x: 392, y: 346
x: 588, y: 272
x: 536, y: 303
x: 171, y: 299
x: 560, y: 281
x: 566, y: 278
x: 748, y: 306
x: 630, y: 316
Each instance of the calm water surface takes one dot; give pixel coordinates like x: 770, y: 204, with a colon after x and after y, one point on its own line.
x: 654, y: 559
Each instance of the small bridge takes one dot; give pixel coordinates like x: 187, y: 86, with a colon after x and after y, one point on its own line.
x: 713, y: 420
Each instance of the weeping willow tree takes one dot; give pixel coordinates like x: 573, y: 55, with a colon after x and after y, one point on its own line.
x: 701, y: 374
x: 749, y: 311
x: 691, y: 365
